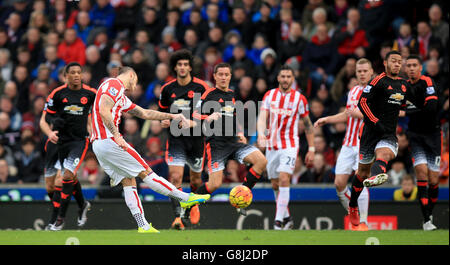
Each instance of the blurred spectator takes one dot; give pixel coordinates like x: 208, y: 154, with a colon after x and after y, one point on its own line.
x: 320, y: 171
x: 51, y: 60
x: 319, y: 17
x: 258, y: 46
x: 215, y: 39
x: 7, y: 154
x: 162, y: 76
x: 432, y: 70
x: 24, y: 58
x: 59, y: 11
x: 126, y: 16
x: 6, y: 106
x: 240, y: 23
x: 142, y: 41
x: 96, y: 65
x: 397, y: 172
x: 405, y: 39
x: 351, y: 39
x: 408, y: 190
x: 266, y: 26
x: 39, y: 20
x: 5, y: 177
x: 168, y: 38
x: 72, y: 48
x: 212, y: 16
x: 269, y: 68
x: 338, y: 12
x: 439, y: 27
x: 83, y: 26
x: 294, y: 44
x: 14, y: 29
x: 152, y: 24
x: 6, y: 65
x: 322, y: 148
x: 140, y: 64
x: 154, y: 156
x: 198, y: 24
x: 286, y: 21
x: 212, y: 58
x: 377, y: 62
x: 308, y: 10
x: 4, y: 39
x: 375, y: 20
x: 339, y: 89
x: 91, y: 172
x: 34, y: 115
x: 132, y: 135
x: 101, y: 40
x: 239, y: 56
x: 232, y: 38
x: 83, y: 6
x: 191, y: 42
x: 29, y: 162
x: 103, y: 15
x: 319, y: 58
x: 234, y: 172
x: 426, y: 39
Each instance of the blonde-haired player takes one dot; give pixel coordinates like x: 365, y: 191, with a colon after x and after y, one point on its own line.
x: 347, y: 161
x: 119, y: 160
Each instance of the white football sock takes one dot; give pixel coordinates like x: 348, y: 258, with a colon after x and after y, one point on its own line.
x: 342, y: 195
x: 164, y: 187
x: 282, y: 203
x: 363, y: 205
x: 134, y: 204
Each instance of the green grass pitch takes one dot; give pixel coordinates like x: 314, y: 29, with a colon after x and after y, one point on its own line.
x: 224, y: 237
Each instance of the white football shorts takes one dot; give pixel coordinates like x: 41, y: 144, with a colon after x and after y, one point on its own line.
x: 116, y: 162
x: 348, y: 160
x: 282, y: 160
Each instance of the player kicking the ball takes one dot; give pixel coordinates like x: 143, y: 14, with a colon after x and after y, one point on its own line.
x: 348, y: 158
x: 224, y: 138
x: 283, y: 107
x: 119, y: 160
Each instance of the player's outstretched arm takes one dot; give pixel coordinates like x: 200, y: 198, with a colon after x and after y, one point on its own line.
x: 148, y: 114
x: 337, y: 118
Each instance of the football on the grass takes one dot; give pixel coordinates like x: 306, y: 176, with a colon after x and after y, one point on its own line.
x: 241, y: 196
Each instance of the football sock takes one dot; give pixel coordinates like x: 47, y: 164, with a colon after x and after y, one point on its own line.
x: 164, y: 187
x: 357, y: 187
x: 203, y: 189
x: 422, y: 194
x: 66, y: 192
x: 134, y: 204
x: 78, y: 194
x: 251, y: 179
x: 282, y: 203
x: 176, y: 206
x: 344, y: 197
x: 433, y: 192
x: 378, y: 167
x: 56, y: 204
x: 363, y: 205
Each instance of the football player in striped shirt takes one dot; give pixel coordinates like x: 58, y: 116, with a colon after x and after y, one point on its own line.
x: 348, y: 158
x: 282, y: 109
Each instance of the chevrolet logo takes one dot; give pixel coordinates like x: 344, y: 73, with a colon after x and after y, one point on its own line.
x: 228, y: 109
x: 181, y: 102
x: 397, y: 97
x: 73, y: 108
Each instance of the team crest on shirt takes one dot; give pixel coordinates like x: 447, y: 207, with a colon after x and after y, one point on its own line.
x: 430, y: 90
x: 83, y: 100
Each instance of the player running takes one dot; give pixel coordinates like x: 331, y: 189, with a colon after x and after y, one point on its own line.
x: 283, y: 107
x: 67, y: 109
x: 380, y: 103
x: 225, y: 139
x: 121, y: 161
x: 347, y: 161
x: 425, y: 137
x: 177, y: 96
